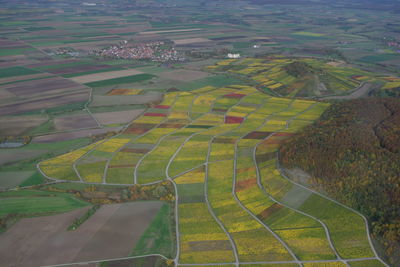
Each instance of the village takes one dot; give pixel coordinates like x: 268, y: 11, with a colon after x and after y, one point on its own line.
x: 157, y: 51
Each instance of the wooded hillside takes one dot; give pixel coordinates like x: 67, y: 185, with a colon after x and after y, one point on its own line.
x: 353, y: 153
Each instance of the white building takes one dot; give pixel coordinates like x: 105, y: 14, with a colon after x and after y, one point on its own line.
x: 233, y: 55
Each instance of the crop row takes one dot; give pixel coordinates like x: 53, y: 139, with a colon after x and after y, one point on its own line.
x: 252, y: 240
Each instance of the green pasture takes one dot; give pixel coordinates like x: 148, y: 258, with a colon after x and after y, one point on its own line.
x: 32, y: 202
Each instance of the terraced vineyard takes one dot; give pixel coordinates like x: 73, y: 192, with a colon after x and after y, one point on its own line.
x: 302, y: 77
x: 233, y: 206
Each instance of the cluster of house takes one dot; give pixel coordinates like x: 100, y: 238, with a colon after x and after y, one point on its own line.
x: 394, y: 44
x: 155, y: 51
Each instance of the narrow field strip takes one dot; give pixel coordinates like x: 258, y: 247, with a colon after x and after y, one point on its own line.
x: 194, y: 193
x: 303, y: 235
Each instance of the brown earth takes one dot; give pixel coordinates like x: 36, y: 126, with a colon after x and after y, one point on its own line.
x: 43, y: 103
x: 24, y: 77
x: 74, y: 122
x: 257, y: 135
x: 125, y: 99
x: 136, y: 130
x: 14, y: 155
x: 118, y: 116
x: 19, y: 124
x: 243, y: 185
x: 5, y: 95
x: 269, y: 211
x: 29, y: 88
x: 111, y: 232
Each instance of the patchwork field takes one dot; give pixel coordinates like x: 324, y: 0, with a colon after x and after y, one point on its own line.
x: 152, y: 81
x: 233, y: 205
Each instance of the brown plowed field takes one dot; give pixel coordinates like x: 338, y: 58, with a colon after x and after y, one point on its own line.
x: 28, y: 88
x: 110, y: 233
x: 74, y: 122
x: 118, y: 116
x: 55, y: 101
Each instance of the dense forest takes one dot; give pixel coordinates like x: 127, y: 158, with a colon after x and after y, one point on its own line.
x: 353, y: 154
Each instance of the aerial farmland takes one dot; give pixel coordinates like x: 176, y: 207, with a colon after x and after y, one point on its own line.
x: 130, y: 135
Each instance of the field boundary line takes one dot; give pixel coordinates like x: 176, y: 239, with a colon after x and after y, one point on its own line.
x: 105, y: 260
x: 289, y: 250
x: 176, y: 260
x: 135, y: 174
x: 282, y: 172
x: 263, y: 189
x: 176, y: 190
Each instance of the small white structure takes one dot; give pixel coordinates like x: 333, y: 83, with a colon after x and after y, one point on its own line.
x: 233, y: 55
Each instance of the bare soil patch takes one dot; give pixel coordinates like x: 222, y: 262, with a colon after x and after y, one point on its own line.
x: 19, y: 124
x: 257, y: 135
x: 4, y: 94
x: 110, y: 233
x: 244, y: 184
x: 118, y: 116
x: 74, y: 122
x: 13, y: 155
x: 43, y: 103
x: 29, y: 88
x: 269, y: 211
x: 24, y: 77
x: 112, y: 100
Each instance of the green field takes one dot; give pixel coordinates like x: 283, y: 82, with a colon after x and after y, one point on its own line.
x: 157, y: 238
x: 31, y: 202
x: 16, y: 71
